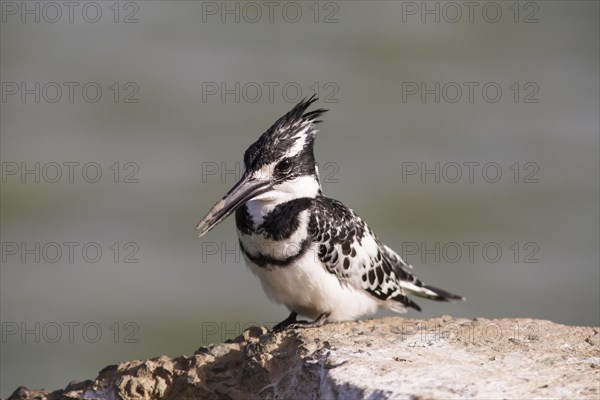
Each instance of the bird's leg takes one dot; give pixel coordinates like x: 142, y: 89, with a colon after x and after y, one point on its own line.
x: 320, y: 320
x: 285, y: 323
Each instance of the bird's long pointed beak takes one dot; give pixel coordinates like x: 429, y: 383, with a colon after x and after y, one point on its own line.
x: 246, y: 189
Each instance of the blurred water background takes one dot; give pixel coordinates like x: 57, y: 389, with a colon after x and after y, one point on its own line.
x: 165, y: 120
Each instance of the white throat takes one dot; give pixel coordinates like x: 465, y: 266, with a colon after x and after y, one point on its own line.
x: 304, y: 186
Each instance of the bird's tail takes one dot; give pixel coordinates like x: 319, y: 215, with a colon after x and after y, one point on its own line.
x: 431, y: 292
x: 411, y: 284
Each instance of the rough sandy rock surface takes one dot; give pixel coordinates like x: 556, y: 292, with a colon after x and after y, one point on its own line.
x: 390, y: 358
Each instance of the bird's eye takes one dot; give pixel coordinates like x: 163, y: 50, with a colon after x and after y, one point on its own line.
x: 284, y: 165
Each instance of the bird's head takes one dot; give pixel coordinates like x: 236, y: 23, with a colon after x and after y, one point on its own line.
x: 279, y: 166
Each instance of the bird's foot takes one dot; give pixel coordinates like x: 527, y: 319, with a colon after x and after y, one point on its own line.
x: 320, y: 320
x: 291, y: 319
x: 291, y: 323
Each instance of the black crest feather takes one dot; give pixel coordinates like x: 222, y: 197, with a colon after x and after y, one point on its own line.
x: 281, y: 135
x: 299, y: 116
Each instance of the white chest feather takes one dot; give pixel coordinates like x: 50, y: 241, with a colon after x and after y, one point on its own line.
x: 305, y: 286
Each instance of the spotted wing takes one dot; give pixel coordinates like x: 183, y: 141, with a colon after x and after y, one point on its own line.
x: 350, y: 250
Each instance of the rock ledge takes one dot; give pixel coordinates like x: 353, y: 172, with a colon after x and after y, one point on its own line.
x: 387, y: 358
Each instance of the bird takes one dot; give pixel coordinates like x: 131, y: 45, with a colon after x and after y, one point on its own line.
x: 311, y: 253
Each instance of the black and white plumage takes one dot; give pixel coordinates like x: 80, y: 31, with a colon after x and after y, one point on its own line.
x: 311, y: 253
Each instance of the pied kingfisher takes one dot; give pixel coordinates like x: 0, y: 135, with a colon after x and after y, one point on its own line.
x: 311, y: 253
